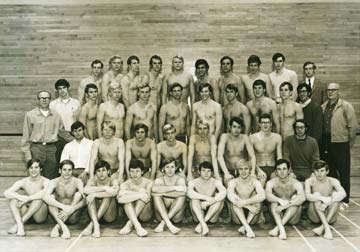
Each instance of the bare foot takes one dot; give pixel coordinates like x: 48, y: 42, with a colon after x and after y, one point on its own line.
x: 13, y: 229
x: 205, y: 230
x: 282, y: 235
x: 65, y: 233
x: 198, y: 229
x: 319, y: 230
x: 274, y: 232
x: 88, y: 229
x: 328, y: 235
x: 126, y: 229
x: 20, y: 230
x: 242, y: 230
x: 55, y: 232
x: 141, y: 232
x: 174, y: 230
x: 160, y: 227
x: 250, y: 233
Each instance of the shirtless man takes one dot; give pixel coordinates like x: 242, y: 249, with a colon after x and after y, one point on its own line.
x: 135, y: 194
x: 202, y: 75
x: 262, y: 105
x: 178, y: 75
x: 169, y: 194
x: 95, y: 78
x: 89, y: 110
x: 206, y: 198
x: 142, y: 111
x: 246, y: 195
x: 114, y: 73
x: 207, y: 110
x: 64, y: 196
x: 234, y: 108
x: 228, y: 77
x: 254, y: 74
x: 172, y: 148
x: 202, y: 147
x: 267, y: 146
x: 154, y: 79
x: 131, y: 81
x: 325, y: 195
x: 289, y: 110
x: 177, y: 113
x: 101, y: 203
x: 286, y: 195
x: 112, y: 111
x: 110, y: 149
x: 233, y: 147
x: 24, y: 206
x: 142, y: 148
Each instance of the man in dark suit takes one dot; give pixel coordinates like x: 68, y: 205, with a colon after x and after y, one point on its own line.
x: 318, y: 88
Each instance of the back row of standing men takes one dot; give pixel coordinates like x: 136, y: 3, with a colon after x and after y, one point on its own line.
x: 153, y: 108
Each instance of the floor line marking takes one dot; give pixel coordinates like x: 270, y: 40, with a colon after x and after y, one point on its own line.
x: 74, y: 242
x: 353, y: 201
x: 306, y: 241
x: 346, y: 240
x: 353, y: 223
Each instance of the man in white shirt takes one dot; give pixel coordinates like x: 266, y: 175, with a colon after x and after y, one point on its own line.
x: 318, y: 94
x: 281, y: 74
x: 78, y: 151
x: 94, y: 77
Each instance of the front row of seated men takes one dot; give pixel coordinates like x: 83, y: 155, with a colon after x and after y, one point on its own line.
x: 65, y: 196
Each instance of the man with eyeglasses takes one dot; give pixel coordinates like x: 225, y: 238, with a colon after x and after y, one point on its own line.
x: 318, y: 94
x: 40, y: 134
x: 339, y: 133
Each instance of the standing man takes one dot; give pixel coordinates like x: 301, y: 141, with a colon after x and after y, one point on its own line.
x: 339, y: 135
x: 318, y: 94
x: 177, y: 113
x: 114, y: 73
x: 202, y: 75
x: 131, y: 81
x: 301, y: 150
x: 281, y: 74
x: 95, y: 78
x: 312, y: 111
x: 178, y: 75
x: 254, y: 74
x: 228, y: 77
x: 40, y: 134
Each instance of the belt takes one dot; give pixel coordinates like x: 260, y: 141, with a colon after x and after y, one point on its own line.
x: 43, y: 143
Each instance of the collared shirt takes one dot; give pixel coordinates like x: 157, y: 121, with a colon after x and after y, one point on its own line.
x: 328, y: 112
x: 311, y: 81
x: 68, y: 110
x: 284, y: 75
x: 79, y: 153
x: 40, y: 129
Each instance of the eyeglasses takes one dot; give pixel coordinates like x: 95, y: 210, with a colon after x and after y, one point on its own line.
x: 299, y: 127
x: 43, y: 98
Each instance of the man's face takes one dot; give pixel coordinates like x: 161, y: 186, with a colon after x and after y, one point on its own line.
x: 135, y: 173
x: 102, y: 173
x: 202, y: 130
x: 140, y: 134
x: 226, y: 66
x: 177, y: 64
x: 156, y: 65
x: 201, y: 70
x: 258, y: 91
x: 205, y: 173
x: 235, y: 129
x: 44, y: 100
x: 170, y: 169
x: 96, y: 69
x: 134, y: 66
x: 265, y: 125
x: 279, y: 63
x: 309, y: 70
x: 107, y: 132
x: 303, y: 94
x: 300, y: 130
x: 333, y: 91
x: 66, y: 171
x: 254, y: 67
x: 63, y: 91
x: 230, y: 94
x: 282, y: 171
x: 285, y: 92
x: 176, y: 93
x: 244, y: 172
x: 116, y: 64
x: 170, y: 135
x: 78, y: 133
x: 144, y: 94
x: 321, y: 173
x: 115, y: 94
x: 92, y: 94
x: 34, y: 170
x: 205, y: 94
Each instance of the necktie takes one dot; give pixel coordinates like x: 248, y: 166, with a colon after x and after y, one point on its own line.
x: 309, y: 82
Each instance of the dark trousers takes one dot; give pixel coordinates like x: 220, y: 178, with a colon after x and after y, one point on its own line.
x: 47, y: 155
x: 337, y: 155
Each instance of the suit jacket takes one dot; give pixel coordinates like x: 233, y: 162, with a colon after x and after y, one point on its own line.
x: 318, y: 92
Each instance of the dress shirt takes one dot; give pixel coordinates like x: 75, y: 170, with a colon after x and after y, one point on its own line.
x: 67, y: 109
x: 79, y: 153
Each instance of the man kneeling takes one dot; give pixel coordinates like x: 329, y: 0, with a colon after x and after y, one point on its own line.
x: 325, y: 195
x: 206, y: 193
x: 101, y: 191
x: 135, y: 194
x: 286, y: 195
x: 64, y: 195
x: 30, y: 204
x: 245, y: 194
x: 169, y: 193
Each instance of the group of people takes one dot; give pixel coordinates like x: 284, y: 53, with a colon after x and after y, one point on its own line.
x: 150, y: 143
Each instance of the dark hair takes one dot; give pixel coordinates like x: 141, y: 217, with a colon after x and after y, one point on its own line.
x: 238, y: 120
x: 204, y: 85
x: 254, y: 59
x: 259, y: 83
x: 278, y: 55
x: 309, y: 63
x: 286, y: 83
x: 34, y: 160
x: 100, y: 164
x: 90, y: 85
x: 202, y: 62
x: 206, y: 165
x: 232, y: 87
x: 132, y: 57
x: 166, y: 161
x: 227, y: 57
x: 265, y: 116
x: 65, y: 162
x: 307, y: 127
x: 141, y: 126
x: 174, y: 85
x: 97, y: 62
x: 302, y: 85
x: 154, y: 57
x: 77, y: 125
x: 136, y: 163
x: 282, y: 161
x: 61, y: 83
x: 320, y: 164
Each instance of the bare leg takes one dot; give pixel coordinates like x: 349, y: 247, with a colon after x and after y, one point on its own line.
x: 278, y: 221
x: 202, y: 227
x: 246, y: 227
x: 54, y: 211
x: 174, y: 209
x: 18, y: 228
x: 132, y: 213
